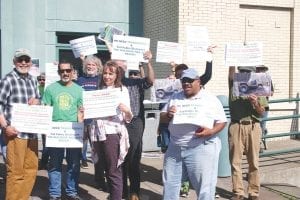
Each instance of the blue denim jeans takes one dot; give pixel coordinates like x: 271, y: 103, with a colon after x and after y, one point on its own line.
x: 201, y: 163
x: 73, y: 156
x: 84, y: 149
x: 3, y: 146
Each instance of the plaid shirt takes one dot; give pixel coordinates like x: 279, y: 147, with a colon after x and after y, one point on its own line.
x: 17, y: 89
x: 136, y: 88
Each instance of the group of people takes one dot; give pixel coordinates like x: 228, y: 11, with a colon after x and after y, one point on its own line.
x: 117, y: 140
x: 192, y: 151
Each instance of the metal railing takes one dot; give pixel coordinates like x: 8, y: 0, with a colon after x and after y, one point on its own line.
x: 293, y: 133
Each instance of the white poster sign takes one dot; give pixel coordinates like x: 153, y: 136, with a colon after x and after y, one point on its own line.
x: 101, y: 103
x: 130, y: 48
x: 35, y: 67
x: 197, y: 42
x: 238, y: 54
x: 51, y: 74
x: 85, y: 45
x: 169, y: 52
x: 193, y: 112
x: 65, y: 135
x: 32, y: 118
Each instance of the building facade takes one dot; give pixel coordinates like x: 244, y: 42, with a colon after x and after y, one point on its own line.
x: 275, y: 23
x: 46, y: 26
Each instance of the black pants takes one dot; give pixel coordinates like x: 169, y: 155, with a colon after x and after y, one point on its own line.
x: 131, y: 166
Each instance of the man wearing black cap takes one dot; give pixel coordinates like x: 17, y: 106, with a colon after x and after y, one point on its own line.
x: 22, y: 148
x: 244, y: 136
x: 192, y: 147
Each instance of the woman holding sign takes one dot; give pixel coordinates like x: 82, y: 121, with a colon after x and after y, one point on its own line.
x: 109, y: 134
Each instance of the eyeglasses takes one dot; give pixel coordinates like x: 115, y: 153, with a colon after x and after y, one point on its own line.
x: 187, y: 80
x: 41, y: 79
x: 61, y: 71
x: 26, y: 59
x: 133, y: 73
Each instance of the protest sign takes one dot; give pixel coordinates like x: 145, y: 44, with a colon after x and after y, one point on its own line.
x: 65, y: 135
x: 108, y: 32
x: 32, y: 118
x: 239, y: 54
x: 197, y: 42
x: 169, y: 52
x: 101, y: 103
x: 130, y: 48
x: 85, y: 45
x: 245, y: 84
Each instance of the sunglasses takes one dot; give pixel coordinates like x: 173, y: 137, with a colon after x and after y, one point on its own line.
x: 26, y: 59
x: 187, y: 80
x: 133, y: 74
x: 61, y: 71
x: 41, y: 79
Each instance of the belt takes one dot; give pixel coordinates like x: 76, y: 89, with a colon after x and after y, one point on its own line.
x: 244, y: 122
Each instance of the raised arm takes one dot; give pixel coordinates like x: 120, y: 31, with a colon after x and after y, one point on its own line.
x: 150, y: 75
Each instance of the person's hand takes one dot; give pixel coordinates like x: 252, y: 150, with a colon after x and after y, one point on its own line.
x: 172, y: 110
x: 10, y: 131
x: 203, y: 132
x: 211, y: 48
x: 173, y: 65
x: 80, y: 114
x: 123, y: 108
x: 33, y: 101
x: 82, y: 57
x: 253, y: 99
x: 148, y: 55
x: 171, y: 77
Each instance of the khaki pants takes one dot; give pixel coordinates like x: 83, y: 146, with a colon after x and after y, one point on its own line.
x: 22, y: 166
x: 244, y: 139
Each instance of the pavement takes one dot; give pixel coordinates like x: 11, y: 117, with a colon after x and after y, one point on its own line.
x: 152, y: 187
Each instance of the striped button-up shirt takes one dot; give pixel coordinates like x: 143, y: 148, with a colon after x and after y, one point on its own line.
x: 15, y: 88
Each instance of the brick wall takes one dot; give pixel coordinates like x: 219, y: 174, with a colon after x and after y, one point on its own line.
x: 272, y: 22
x: 275, y: 23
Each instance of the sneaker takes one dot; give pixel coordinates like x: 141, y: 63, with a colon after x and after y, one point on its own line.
x: 84, y: 164
x: 75, y: 197
x: 184, y: 190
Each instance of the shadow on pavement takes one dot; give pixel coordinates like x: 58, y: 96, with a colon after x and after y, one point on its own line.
x: 151, y: 174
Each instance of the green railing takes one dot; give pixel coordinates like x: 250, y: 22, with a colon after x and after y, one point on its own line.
x: 293, y: 133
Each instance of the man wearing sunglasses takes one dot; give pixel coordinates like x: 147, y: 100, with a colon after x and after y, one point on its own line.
x: 193, y: 147
x: 66, y: 98
x: 19, y: 86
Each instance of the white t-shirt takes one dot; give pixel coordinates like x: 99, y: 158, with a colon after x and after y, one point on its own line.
x: 184, y: 134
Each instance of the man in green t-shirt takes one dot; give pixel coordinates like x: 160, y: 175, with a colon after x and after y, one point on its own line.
x: 244, y: 137
x: 66, y: 98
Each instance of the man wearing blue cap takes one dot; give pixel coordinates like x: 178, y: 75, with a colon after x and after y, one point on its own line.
x: 192, y: 146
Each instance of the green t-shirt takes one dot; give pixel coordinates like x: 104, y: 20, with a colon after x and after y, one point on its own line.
x: 65, y: 101
x: 242, y: 109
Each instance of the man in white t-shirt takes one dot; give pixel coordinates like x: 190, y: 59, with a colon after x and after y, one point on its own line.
x: 194, y: 144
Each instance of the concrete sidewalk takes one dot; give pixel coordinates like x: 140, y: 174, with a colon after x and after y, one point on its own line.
x: 151, y: 186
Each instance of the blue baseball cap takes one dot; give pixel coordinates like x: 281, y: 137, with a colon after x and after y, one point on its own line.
x: 190, y: 73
